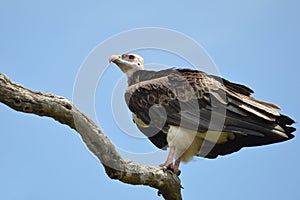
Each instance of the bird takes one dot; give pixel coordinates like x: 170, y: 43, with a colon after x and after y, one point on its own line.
x: 192, y: 113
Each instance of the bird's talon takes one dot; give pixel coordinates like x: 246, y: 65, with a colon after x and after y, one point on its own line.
x: 177, y: 172
x: 170, y: 167
x: 166, y: 167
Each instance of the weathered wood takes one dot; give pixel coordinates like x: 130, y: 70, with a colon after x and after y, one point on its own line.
x: 46, y: 104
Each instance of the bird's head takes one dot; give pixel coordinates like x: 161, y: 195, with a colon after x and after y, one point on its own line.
x: 128, y: 62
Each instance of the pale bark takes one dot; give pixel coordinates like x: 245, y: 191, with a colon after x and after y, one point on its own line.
x: 62, y: 110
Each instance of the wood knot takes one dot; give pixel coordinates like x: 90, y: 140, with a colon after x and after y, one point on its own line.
x: 17, y: 101
x: 27, y: 108
x: 68, y: 106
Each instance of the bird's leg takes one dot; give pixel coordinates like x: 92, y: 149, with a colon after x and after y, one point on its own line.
x: 176, y: 166
x: 169, y: 162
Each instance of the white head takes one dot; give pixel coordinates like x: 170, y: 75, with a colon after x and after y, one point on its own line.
x: 128, y: 63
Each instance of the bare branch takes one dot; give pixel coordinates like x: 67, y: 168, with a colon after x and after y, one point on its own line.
x: 45, y: 104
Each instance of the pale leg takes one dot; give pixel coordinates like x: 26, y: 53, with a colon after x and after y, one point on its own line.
x: 169, y: 162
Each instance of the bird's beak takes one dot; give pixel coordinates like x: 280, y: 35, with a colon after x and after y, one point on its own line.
x: 122, y: 64
x: 114, y: 58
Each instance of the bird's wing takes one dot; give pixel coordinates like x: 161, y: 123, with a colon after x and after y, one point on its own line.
x: 197, y: 101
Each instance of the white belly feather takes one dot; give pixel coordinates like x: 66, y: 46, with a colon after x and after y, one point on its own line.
x: 188, y: 143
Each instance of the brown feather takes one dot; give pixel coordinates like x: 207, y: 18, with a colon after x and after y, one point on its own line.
x: 188, y: 98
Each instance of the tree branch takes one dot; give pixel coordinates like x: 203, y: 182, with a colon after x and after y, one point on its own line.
x: 46, y: 104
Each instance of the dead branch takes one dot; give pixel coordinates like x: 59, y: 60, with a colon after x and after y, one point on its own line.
x: 62, y: 110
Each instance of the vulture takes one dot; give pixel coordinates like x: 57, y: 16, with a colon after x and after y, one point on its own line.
x: 196, y: 114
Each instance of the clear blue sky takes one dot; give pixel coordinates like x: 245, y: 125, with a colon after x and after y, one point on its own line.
x: 42, y: 46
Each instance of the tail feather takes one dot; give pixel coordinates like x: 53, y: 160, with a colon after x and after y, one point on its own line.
x: 259, y: 124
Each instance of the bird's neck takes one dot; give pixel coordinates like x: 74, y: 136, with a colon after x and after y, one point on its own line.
x: 133, y: 76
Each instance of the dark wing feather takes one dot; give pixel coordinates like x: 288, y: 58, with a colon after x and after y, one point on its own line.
x: 156, y: 136
x: 197, y: 101
x: 241, y: 89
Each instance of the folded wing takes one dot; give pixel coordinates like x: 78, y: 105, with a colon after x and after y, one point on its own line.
x: 200, y: 102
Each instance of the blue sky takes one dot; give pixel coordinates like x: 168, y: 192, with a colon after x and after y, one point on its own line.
x: 43, y: 45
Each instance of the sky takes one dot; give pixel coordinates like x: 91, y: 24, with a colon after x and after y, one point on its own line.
x: 46, y: 45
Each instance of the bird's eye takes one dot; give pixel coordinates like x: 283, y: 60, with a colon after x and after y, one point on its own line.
x: 131, y: 57
x: 139, y: 64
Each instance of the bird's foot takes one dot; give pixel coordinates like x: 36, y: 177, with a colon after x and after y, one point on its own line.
x: 176, y: 170
x: 167, y: 166
x: 171, y: 167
